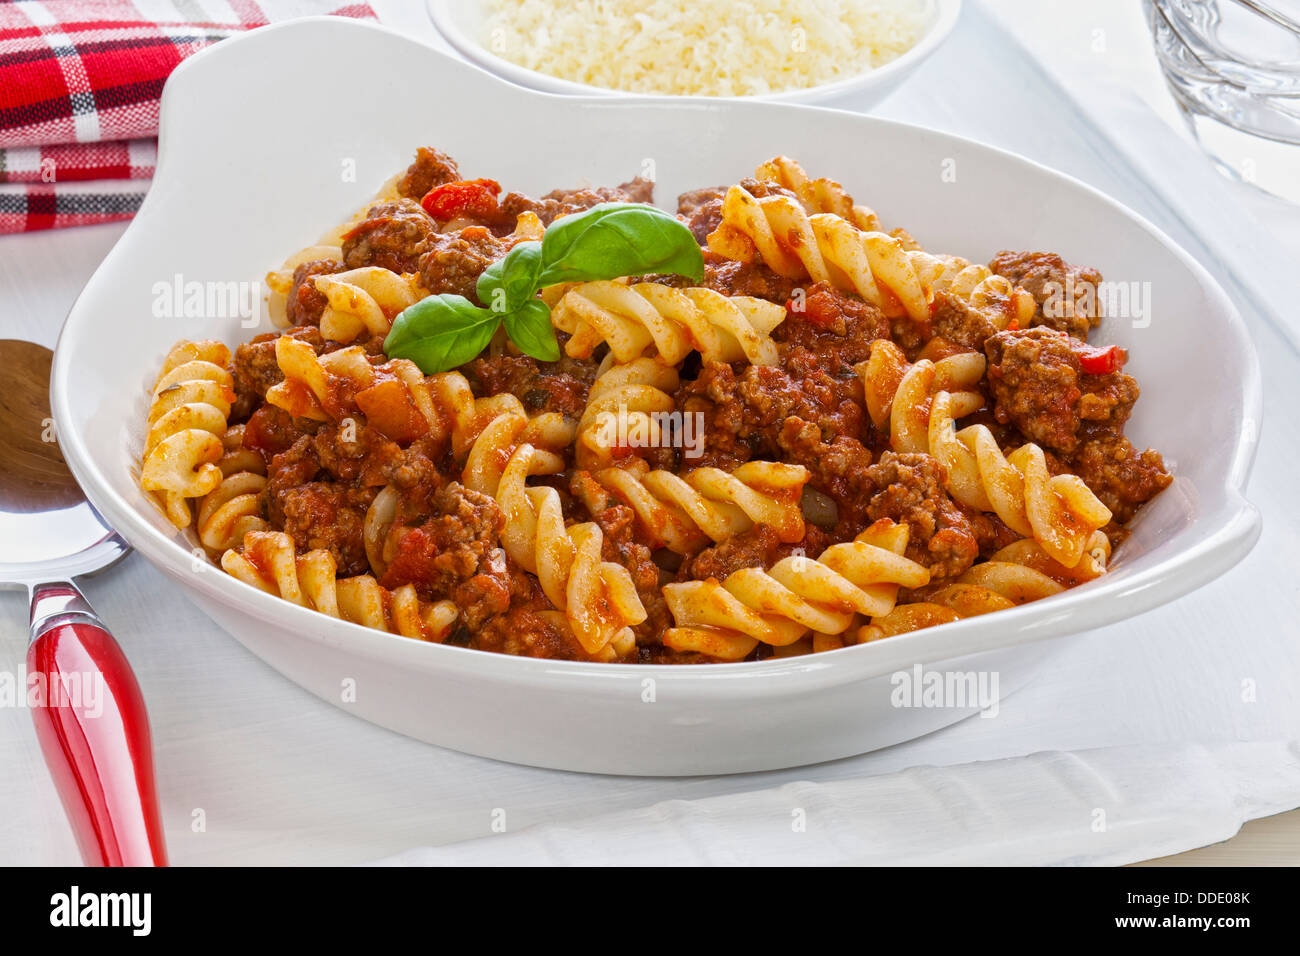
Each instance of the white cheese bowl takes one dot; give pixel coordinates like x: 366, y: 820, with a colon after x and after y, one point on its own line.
x: 461, y: 23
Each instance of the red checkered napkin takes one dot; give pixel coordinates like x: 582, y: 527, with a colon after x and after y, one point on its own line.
x: 79, y: 87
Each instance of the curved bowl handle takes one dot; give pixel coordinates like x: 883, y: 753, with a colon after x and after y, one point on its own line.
x: 94, y: 734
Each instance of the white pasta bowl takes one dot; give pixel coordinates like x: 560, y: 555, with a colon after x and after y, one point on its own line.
x: 262, y: 151
x: 463, y: 23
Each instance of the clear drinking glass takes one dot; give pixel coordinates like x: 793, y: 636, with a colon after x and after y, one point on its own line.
x: 1233, y: 66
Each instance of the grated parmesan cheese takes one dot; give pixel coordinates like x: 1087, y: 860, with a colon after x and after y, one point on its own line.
x: 716, y: 48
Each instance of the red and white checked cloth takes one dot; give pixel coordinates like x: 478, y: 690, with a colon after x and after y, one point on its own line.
x: 80, y: 82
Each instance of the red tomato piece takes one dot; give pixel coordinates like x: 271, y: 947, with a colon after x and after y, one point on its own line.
x: 474, y: 198
x: 1101, y: 361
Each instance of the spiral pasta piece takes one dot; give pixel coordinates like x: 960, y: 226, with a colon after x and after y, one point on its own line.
x: 643, y: 317
x: 234, y: 508
x: 305, y: 391
x: 597, y: 597
x: 1017, y: 574
x: 461, y: 417
x: 364, y: 300
x: 780, y: 605
x: 684, y: 513
x: 182, y: 448
x: 489, y: 456
x: 992, y: 294
x: 628, y: 407
x: 883, y: 269
x: 268, y: 561
x: 899, y: 394
x: 1060, y: 512
x: 817, y: 195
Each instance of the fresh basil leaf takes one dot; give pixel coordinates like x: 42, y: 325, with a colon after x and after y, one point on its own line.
x: 511, y: 281
x: 440, y: 332
x: 530, y: 328
x: 618, y: 239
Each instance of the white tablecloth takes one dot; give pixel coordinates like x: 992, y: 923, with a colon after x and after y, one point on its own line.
x: 254, y: 770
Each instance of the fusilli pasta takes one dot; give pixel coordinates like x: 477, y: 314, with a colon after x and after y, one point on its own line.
x: 598, y: 597
x: 636, y: 319
x: 1059, y: 512
x: 625, y: 402
x: 817, y: 195
x: 708, y: 504
x: 364, y: 300
x: 796, y: 595
x: 883, y: 269
x: 268, y: 561
x: 191, y: 402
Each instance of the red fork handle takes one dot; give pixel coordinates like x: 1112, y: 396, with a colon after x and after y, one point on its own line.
x: 94, y: 734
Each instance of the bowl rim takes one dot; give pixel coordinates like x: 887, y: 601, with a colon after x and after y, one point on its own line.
x: 1233, y: 528
x: 944, y: 19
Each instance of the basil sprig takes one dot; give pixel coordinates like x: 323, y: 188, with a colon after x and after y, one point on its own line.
x: 608, y: 241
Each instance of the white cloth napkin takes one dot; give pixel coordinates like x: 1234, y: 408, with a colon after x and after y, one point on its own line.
x: 1093, y: 807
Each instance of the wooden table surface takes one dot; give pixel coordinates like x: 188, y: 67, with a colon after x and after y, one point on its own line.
x: 1270, y: 841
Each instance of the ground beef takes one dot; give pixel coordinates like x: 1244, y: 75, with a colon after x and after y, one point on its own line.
x: 909, y: 490
x: 689, y: 203
x: 701, y: 210
x: 755, y: 548
x: 323, y: 515
x: 271, y: 431
x: 743, y: 413
x: 838, y: 465
x: 1106, y: 403
x: 394, y: 235
x: 956, y: 320
x: 1119, y: 475
x: 542, y: 386
x: 741, y: 278
x: 287, y: 469
x: 563, y: 202
x: 417, y: 475
x: 255, y: 369
x: 1066, y: 294
x: 453, y: 262
x: 806, y: 410
x: 758, y: 547
x: 432, y: 167
x: 834, y: 328
x: 356, y: 453
x: 527, y: 632
x: 305, y: 304
x: 704, y: 221
x: 454, y: 554
x: 989, y: 530
x: 528, y: 628
x: 1039, y: 386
